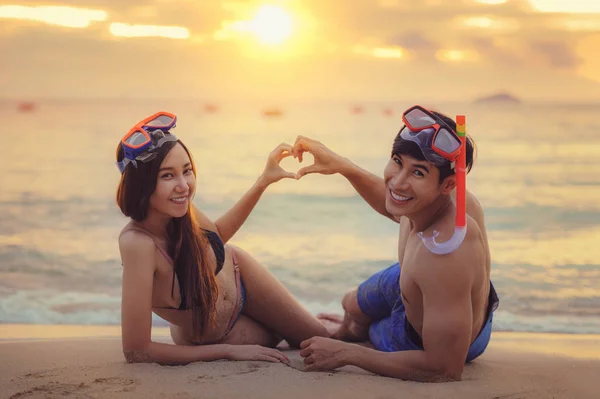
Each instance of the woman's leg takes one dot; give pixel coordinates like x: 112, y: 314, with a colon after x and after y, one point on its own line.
x: 272, y: 305
x: 247, y: 331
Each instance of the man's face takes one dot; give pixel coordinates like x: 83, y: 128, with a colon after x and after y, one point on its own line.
x: 412, y: 185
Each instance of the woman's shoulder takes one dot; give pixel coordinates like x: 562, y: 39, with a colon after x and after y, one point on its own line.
x: 128, y: 227
x: 135, y: 241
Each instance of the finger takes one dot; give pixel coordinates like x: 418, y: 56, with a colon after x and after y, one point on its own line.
x: 334, y: 317
x: 301, y: 145
x: 290, y: 175
x: 308, y: 170
x: 310, y: 368
x: 300, y: 138
x: 286, y: 146
x: 306, y: 352
x: 277, y: 151
x: 283, y: 358
x: 306, y: 343
x: 309, y: 360
x: 296, y: 148
x: 283, y: 147
x: 267, y: 358
x: 283, y: 154
x: 275, y: 352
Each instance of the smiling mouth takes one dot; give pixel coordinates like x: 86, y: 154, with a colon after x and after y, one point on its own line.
x: 398, y: 197
x: 179, y: 200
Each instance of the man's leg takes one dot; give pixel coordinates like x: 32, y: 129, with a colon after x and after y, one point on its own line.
x: 373, y: 300
x: 354, y: 326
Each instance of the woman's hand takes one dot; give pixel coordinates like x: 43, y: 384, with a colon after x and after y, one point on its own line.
x: 257, y: 352
x: 273, y: 171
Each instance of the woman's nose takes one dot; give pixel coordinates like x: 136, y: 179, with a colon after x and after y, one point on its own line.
x: 182, y: 184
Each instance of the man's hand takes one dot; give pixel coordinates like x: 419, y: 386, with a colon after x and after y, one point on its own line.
x: 324, y: 353
x: 326, y: 162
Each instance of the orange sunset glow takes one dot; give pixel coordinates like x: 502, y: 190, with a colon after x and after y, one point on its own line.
x: 298, y: 48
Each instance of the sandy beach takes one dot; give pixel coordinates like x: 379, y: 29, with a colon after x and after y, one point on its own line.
x: 87, y: 362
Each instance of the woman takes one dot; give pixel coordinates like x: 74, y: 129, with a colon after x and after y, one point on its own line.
x: 220, y: 302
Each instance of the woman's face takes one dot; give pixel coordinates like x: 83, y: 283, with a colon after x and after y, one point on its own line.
x: 175, y: 184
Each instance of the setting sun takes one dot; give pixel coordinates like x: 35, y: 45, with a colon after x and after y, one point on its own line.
x: 271, y: 24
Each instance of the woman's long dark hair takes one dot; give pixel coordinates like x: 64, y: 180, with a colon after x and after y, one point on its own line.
x: 186, y: 241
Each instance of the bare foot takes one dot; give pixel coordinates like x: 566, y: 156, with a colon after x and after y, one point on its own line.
x: 331, y: 321
x: 332, y: 317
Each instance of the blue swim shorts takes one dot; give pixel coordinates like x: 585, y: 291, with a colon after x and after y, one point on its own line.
x: 379, y: 298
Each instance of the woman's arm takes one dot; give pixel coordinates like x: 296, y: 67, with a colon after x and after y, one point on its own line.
x: 228, y: 224
x: 138, y: 254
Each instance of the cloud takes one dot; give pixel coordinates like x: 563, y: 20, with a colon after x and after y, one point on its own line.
x: 556, y: 54
x: 495, y: 53
x: 417, y: 44
x: 414, y: 41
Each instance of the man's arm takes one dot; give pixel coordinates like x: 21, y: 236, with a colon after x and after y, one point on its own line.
x: 369, y: 186
x: 447, y: 326
x: 447, y: 323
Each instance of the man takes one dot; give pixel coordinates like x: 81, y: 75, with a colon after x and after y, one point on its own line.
x: 428, y: 314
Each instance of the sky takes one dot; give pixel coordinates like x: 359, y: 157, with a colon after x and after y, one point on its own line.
x: 541, y: 50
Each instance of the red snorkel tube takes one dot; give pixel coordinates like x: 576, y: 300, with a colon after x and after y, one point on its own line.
x: 460, y: 229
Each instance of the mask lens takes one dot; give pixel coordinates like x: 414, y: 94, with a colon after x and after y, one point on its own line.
x: 446, y: 141
x: 418, y: 119
x: 160, y: 121
x: 136, y: 139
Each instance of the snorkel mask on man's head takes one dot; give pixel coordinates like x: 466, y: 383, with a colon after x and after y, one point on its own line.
x: 441, y: 145
x: 142, y: 141
x: 438, y: 142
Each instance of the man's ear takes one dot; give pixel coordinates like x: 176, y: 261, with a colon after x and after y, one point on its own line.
x: 449, y: 184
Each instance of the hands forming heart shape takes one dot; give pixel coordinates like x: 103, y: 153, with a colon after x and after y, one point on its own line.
x: 325, y: 161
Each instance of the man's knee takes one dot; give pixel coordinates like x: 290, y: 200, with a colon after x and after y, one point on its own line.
x: 352, y: 309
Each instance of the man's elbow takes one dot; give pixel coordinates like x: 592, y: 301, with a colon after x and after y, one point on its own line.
x: 449, y: 373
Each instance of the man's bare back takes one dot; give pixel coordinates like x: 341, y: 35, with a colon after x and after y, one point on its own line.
x: 410, y: 255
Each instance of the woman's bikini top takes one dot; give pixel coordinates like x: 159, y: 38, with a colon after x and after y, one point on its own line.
x: 217, y: 246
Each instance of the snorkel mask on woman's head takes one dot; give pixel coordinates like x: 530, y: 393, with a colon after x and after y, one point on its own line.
x: 142, y: 141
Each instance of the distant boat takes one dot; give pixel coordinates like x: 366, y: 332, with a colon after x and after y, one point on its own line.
x: 26, y: 106
x: 388, y: 112
x: 498, y: 98
x: 357, y: 109
x: 272, y: 113
x: 211, y: 108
